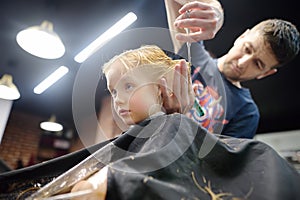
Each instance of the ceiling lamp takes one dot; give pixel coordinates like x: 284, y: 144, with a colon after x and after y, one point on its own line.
x: 117, y: 28
x: 51, y: 79
x: 8, y: 90
x: 51, y: 125
x: 41, y: 41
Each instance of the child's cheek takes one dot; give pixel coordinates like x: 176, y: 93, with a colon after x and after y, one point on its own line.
x: 136, y: 102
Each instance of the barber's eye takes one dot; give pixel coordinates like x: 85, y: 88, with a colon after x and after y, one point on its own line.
x: 247, y: 50
x: 259, y: 65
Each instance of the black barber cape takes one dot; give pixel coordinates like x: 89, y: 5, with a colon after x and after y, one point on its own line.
x: 171, y: 157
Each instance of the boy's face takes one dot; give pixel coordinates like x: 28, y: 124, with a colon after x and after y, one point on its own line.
x: 249, y: 58
x: 135, y: 97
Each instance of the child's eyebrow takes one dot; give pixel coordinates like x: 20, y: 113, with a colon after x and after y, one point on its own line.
x: 127, y: 77
x: 124, y: 78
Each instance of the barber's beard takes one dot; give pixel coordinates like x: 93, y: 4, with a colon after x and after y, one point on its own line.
x: 229, y: 72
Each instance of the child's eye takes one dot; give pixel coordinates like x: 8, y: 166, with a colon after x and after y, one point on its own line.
x: 113, y: 93
x: 128, y: 86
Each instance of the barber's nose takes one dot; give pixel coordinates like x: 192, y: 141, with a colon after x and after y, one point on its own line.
x: 244, y: 61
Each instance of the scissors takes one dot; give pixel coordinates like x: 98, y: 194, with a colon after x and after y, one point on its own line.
x: 79, y: 172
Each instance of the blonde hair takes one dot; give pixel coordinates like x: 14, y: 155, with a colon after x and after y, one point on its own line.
x: 151, y: 58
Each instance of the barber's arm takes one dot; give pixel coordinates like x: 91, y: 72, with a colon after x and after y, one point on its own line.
x: 205, y: 18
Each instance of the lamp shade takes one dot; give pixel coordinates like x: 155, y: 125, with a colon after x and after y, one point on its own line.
x: 41, y: 41
x: 8, y: 90
x: 51, y: 125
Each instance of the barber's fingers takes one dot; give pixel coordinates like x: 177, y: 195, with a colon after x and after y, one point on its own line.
x: 182, y: 86
x: 167, y: 97
x: 202, y: 19
x: 196, y: 14
x: 196, y: 24
x: 189, y: 18
x: 164, y: 88
x: 200, y: 29
x: 195, y: 36
x: 187, y: 95
x: 194, y: 5
x: 177, y: 84
x: 171, y: 96
x: 199, y: 10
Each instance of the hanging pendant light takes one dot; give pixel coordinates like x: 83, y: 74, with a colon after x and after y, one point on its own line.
x: 51, y: 125
x: 8, y: 90
x: 41, y: 41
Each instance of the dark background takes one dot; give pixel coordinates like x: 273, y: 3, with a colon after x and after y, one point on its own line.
x: 80, y: 22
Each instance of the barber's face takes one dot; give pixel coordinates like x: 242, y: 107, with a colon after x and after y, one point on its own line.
x: 135, y: 97
x: 249, y: 58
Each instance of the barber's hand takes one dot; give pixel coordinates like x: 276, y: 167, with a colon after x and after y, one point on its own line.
x: 181, y: 97
x: 203, y: 20
x: 82, y: 186
x: 96, y: 183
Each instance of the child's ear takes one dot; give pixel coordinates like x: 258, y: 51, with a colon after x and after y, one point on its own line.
x: 161, y: 84
x: 159, y: 91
